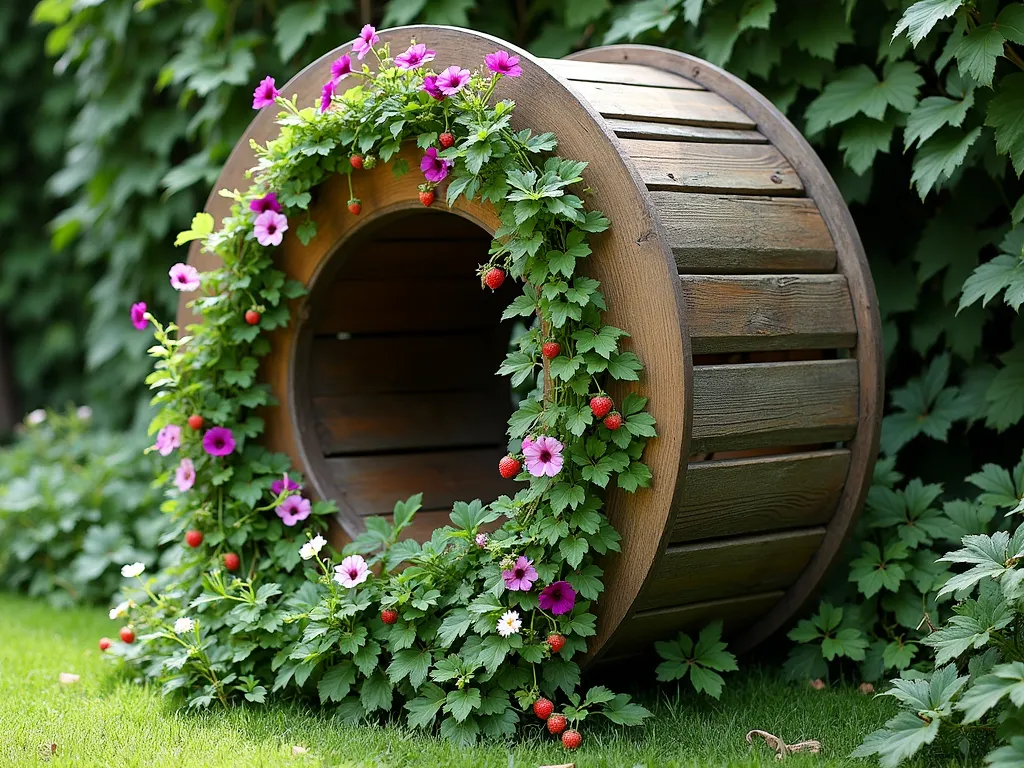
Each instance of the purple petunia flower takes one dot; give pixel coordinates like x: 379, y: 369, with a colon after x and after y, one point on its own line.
x: 503, y: 63
x: 185, y: 475
x: 167, y: 439
x: 434, y: 168
x: 521, y: 577
x: 270, y: 227
x: 327, y: 95
x: 184, y: 277
x: 139, y: 316
x: 218, y: 441
x: 293, y: 509
x: 452, y: 80
x: 431, y: 87
x: 558, y: 598
x: 341, y: 68
x: 363, y: 44
x: 415, y: 57
x: 266, y: 203
x: 265, y: 93
x: 284, y: 484
x: 543, y: 456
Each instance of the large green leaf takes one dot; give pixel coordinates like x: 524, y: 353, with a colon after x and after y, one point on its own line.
x: 858, y: 90
x: 919, y: 19
x: 1006, y: 115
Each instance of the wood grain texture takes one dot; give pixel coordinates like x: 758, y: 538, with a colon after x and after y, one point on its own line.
x: 731, y: 313
x: 756, y: 495
x: 687, y: 166
x: 624, y: 74
x: 665, y: 105
x: 735, y: 234
x: 644, y: 129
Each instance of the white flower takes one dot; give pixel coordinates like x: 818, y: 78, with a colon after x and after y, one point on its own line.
x: 130, y: 571
x: 183, y: 625
x: 509, y: 624
x: 352, y: 571
x: 312, y: 547
x: 121, y: 610
x: 38, y: 416
x: 84, y: 412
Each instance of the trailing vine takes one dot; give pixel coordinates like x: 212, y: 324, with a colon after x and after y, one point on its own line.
x: 468, y: 628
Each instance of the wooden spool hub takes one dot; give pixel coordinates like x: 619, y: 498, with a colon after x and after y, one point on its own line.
x: 731, y: 260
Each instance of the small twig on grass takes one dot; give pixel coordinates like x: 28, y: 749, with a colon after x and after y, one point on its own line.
x: 782, y: 749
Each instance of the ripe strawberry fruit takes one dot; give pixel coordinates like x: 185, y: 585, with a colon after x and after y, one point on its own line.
x: 550, y: 349
x: 601, y: 405
x: 127, y: 636
x: 571, y: 740
x: 446, y: 139
x: 195, y: 421
x: 389, y: 615
x: 232, y: 561
x: 252, y: 317
x: 556, y: 642
x: 104, y: 643
x: 427, y: 197
x: 494, y: 278
x: 357, y: 162
x: 193, y: 538
x: 613, y: 420
x: 509, y: 467
x: 354, y: 206
x: 543, y: 708
x: 556, y: 724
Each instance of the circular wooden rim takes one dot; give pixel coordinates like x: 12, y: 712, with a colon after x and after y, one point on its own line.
x: 852, y: 263
x: 635, y: 267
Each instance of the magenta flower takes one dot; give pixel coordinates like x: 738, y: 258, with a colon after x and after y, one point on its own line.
x: 139, y: 316
x: 185, y: 475
x: 265, y: 93
x: 341, y: 68
x: 293, y: 509
x: 167, y: 439
x: 543, y: 456
x: 452, y: 80
x: 434, y: 168
x: 431, y: 87
x: 503, y: 63
x: 415, y: 57
x: 327, y: 95
x: 363, y: 44
x: 352, y: 572
x: 270, y: 227
x: 184, y: 277
x: 284, y: 484
x: 521, y: 577
x: 218, y: 441
x: 266, y: 203
x: 558, y: 598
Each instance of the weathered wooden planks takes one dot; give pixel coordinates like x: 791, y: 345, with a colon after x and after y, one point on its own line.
x: 773, y: 404
x: 729, y: 567
x: 625, y: 74
x: 729, y: 313
x: 756, y: 495
x: 665, y: 105
x: 644, y: 129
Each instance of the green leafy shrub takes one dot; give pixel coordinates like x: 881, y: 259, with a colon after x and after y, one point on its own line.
x: 702, y: 660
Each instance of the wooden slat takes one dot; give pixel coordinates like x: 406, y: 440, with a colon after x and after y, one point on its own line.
x: 626, y: 74
x: 773, y: 404
x: 410, y: 421
x: 729, y: 313
x: 372, y: 484
x: 665, y: 105
x: 757, y: 495
x: 734, y: 234
x: 729, y: 567
x: 642, y: 129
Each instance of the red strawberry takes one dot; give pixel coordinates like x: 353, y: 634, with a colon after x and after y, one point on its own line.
x: 556, y: 642
x: 354, y: 206
x: 600, y: 405
x: 494, y: 278
x: 127, y: 636
x: 556, y: 724
x: 104, y: 643
x: 427, y: 197
x: 571, y: 740
x: 613, y: 420
x: 252, y: 317
x: 193, y: 538
x: 550, y: 349
x: 195, y: 421
x: 357, y: 162
x: 446, y: 139
x: 389, y: 615
x: 543, y: 708
x: 232, y: 561
x: 509, y: 467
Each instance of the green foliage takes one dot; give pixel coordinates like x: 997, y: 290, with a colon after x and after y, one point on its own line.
x: 702, y: 660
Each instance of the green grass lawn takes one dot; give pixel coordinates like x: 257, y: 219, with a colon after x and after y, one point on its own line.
x: 105, y: 720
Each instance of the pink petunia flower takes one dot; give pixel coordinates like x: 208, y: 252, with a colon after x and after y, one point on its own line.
x: 521, y: 577
x: 363, y: 44
x: 293, y: 509
x: 415, y: 57
x: 341, y: 68
x: 452, y: 80
x: 218, y: 441
x: 431, y: 87
x: 352, y: 571
x: 543, y: 456
x: 266, y: 203
x: 270, y: 227
x: 558, y: 598
x: 265, y: 93
x: 185, y: 475
x: 167, y: 439
x: 139, y: 316
x: 327, y: 95
x: 434, y: 168
x: 284, y: 484
x: 503, y: 63
x: 481, y: 539
x: 184, y: 277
